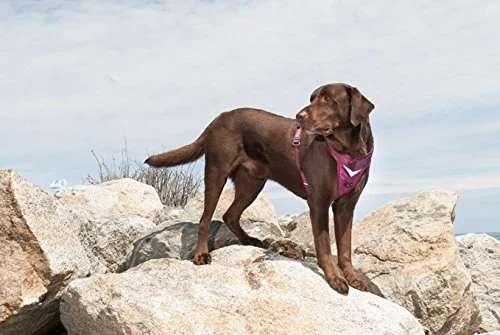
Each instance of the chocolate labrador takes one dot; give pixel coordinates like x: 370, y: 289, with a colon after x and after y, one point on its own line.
x: 323, y: 156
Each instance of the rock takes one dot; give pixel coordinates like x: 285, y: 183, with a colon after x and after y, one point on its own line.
x: 301, y: 231
x: 40, y: 254
x: 110, y: 239
x: 177, y: 235
x: 481, y: 256
x: 243, y: 291
x: 122, y: 197
x: 179, y: 240
x: 111, y: 216
x: 407, y: 250
x: 261, y: 210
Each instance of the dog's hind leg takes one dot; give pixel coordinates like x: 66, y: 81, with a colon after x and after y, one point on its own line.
x: 215, y: 178
x: 247, y: 188
x: 222, y: 156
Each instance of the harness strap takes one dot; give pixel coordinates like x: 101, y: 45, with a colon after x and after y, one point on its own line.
x: 296, y: 144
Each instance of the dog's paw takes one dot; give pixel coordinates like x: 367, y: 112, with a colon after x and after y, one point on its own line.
x: 354, y: 281
x: 202, y: 258
x: 339, y: 284
x: 358, y: 284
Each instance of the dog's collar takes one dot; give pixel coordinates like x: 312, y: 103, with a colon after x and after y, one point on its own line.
x: 349, y: 168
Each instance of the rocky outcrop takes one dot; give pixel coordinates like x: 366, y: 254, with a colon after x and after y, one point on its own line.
x: 407, y: 251
x: 481, y: 256
x: 40, y: 254
x: 243, y: 291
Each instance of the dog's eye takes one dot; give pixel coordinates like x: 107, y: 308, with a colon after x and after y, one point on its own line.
x: 326, y: 98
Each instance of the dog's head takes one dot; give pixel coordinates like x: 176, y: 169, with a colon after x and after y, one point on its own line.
x: 332, y: 107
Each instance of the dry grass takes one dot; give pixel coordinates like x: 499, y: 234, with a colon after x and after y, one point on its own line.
x: 175, y: 186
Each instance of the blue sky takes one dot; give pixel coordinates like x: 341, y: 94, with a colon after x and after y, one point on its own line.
x: 77, y: 76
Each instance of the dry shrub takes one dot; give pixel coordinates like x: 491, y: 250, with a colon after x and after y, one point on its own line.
x: 175, y: 186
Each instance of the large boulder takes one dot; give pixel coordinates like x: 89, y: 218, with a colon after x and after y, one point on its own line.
x: 111, y: 216
x: 122, y: 197
x: 481, y: 256
x: 243, y: 291
x: 407, y: 251
x: 111, y: 238
x: 40, y: 254
x: 178, y: 240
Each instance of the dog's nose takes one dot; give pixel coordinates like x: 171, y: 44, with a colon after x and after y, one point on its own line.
x: 301, y: 115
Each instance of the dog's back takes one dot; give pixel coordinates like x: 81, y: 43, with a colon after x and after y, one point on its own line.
x: 254, y: 133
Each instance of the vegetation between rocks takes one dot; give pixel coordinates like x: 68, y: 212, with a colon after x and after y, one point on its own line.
x: 175, y: 186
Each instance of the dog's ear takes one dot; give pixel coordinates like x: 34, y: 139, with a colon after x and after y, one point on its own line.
x: 360, y: 107
x: 315, y: 93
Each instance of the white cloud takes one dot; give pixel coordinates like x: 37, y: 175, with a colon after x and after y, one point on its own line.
x: 82, y: 75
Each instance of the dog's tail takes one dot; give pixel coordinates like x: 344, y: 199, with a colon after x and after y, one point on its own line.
x: 186, y: 154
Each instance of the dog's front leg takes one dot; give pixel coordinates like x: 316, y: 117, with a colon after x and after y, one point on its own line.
x: 319, y: 218
x: 343, y: 210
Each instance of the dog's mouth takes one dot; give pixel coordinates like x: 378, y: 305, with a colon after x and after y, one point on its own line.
x: 319, y: 128
x: 319, y: 131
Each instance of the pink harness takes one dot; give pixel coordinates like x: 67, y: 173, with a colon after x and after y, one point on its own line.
x: 349, y: 169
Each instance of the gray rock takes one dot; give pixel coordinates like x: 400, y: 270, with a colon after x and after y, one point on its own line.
x: 40, y: 254
x: 243, y: 291
x: 407, y: 250
x: 481, y: 256
x: 177, y: 235
x: 178, y: 240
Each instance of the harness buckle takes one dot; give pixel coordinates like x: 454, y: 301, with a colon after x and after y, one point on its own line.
x: 296, y: 141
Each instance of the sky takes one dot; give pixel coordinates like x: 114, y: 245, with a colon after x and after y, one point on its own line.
x: 86, y: 75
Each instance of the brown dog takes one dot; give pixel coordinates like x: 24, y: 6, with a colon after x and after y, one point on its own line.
x: 250, y: 146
